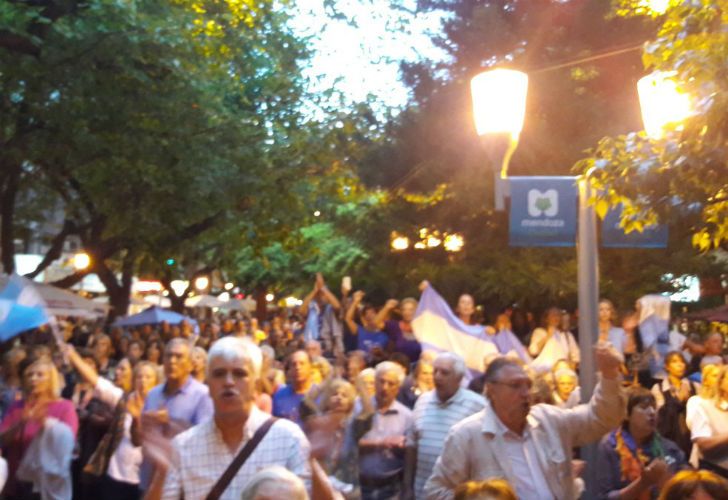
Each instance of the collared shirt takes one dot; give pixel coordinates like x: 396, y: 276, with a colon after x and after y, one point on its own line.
x: 190, y: 404
x: 200, y: 457
x: 530, y: 480
x: 432, y: 420
x: 383, y: 463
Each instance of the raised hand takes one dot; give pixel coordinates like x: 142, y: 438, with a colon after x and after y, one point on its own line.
x: 608, y: 360
x: 358, y: 296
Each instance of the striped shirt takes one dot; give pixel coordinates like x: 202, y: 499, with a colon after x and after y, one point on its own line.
x: 432, y: 421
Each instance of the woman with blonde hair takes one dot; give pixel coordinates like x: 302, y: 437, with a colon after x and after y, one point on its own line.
x: 116, y: 459
x: 709, y: 428
x: 28, y: 424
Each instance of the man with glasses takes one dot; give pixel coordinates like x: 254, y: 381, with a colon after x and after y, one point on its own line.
x: 529, y: 446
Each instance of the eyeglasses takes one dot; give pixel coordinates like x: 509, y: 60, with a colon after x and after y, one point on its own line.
x: 516, y: 385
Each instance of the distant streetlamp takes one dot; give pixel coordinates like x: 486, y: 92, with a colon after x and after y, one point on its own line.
x: 662, y: 103
x: 453, y: 243
x: 202, y: 283
x: 399, y: 243
x: 81, y: 261
x: 269, y: 297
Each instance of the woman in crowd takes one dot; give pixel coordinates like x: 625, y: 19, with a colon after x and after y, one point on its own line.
x: 116, y: 458
x: 709, y: 376
x: 549, y: 343
x: 199, y: 360
x: 672, y: 395
x: 634, y: 461
x: 154, y: 351
x: 607, y: 331
x: 567, y: 394
x: 40, y: 411
x: 709, y: 428
x: 401, y: 336
x: 465, y: 309
x: 420, y: 382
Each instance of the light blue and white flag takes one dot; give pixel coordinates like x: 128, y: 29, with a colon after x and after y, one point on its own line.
x: 21, y: 308
x: 436, y: 327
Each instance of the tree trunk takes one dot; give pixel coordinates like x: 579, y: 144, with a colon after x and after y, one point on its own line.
x: 8, y: 194
x: 261, y: 305
x: 54, y: 252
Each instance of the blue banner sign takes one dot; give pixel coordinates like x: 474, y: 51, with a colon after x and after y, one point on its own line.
x: 614, y: 236
x: 543, y: 211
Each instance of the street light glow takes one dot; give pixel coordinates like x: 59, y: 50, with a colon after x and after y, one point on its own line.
x: 433, y: 241
x: 662, y: 103
x: 399, y: 243
x: 270, y: 297
x: 499, y: 101
x: 658, y: 7
x: 420, y: 245
x: 229, y: 286
x: 202, y: 283
x: 454, y: 242
x: 81, y: 261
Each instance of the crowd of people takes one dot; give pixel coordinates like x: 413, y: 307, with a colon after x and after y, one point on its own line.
x: 339, y: 399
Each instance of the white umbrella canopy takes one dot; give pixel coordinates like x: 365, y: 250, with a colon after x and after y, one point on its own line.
x: 246, y: 304
x: 203, y: 301
x: 61, y: 302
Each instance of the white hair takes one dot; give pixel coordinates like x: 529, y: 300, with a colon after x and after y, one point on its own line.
x: 275, y: 482
x: 390, y: 366
x: 235, y: 348
x: 458, y: 363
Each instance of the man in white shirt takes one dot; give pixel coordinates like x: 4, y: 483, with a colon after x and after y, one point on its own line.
x: 202, y: 454
x: 528, y: 446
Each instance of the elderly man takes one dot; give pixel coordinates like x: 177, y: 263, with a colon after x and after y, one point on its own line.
x: 171, y: 407
x: 434, y: 414
x: 202, y: 454
x: 381, y: 448
x: 299, y: 378
x: 528, y: 446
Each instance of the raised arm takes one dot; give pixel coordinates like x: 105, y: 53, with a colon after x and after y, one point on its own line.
x: 84, y: 369
x: 384, y: 312
x: 349, y: 318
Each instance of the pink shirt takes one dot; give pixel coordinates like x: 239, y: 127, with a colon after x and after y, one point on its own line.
x: 14, y: 449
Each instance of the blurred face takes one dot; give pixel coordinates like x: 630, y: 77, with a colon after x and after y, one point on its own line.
x: 711, y: 377
x: 605, y: 312
x: 675, y: 367
x: 369, y: 385
x: 134, y: 352
x: 153, y: 353
x: 466, y: 305
x: 198, y: 361
x: 122, y: 374
x: 386, y: 386
x: 553, y: 319
x: 446, y: 379
x: 643, y: 419
x: 177, y: 362
x: 354, y: 365
x: 144, y: 380
x: 232, y: 385
x: 565, y: 385
x: 37, y: 379
x: 408, y: 311
x: 714, y: 344
x: 510, y: 394
x: 425, y: 377
x: 340, y: 401
x: 370, y: 314
x: 299, y: 368
x: 102, y: 348
x: 313, y: 349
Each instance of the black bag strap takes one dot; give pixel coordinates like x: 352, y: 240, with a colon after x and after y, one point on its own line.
x: 239, y: 460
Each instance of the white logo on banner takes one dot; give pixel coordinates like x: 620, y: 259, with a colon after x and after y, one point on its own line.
x: 546, y: 203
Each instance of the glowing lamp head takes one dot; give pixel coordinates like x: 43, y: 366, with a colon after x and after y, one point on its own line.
x: 454, y: 242
x: 202, y: 283
x: 399, y: 243
x: 662, y: 103
x: 499, y: 101
x: 269, y: 297
x: 81, y: 261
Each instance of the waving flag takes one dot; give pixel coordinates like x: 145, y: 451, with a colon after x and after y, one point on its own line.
x: 21, y: 309
x: 436, y: 327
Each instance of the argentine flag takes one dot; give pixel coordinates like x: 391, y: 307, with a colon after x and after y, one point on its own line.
x: 437, y: 327
x: 21, y: 308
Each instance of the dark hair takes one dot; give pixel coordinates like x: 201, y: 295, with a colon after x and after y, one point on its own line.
x: 401, y: 359
x: 674, y: 354
x: 639, y: 396
x: 686, y: 483
x: 287, y: 363
x: 495, y: 366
